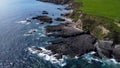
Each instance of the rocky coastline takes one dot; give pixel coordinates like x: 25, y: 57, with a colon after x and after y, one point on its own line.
x: 75, y: 41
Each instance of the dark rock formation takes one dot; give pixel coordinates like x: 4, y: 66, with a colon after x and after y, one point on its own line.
x: 64, y: 30
x: 73, y: 46
x: 43, y: 18
x: 59, y: 27
x: 68, y: 8
x: 108, y: 49
x: 59, y: 9
x: 66, y: 14
x: 116, y: 53
x: 56, y: 1
x: 44, y: 12
x: 59, y: 19
x: 104, y: 48
x: 75, y: 42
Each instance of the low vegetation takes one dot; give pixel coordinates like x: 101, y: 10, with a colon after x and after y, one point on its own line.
x: 106, y: 8
x: 99, y: 13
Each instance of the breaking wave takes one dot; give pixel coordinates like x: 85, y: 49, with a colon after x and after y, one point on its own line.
x: 48, y: 56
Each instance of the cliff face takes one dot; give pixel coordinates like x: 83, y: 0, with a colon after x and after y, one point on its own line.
x: 56, y: 1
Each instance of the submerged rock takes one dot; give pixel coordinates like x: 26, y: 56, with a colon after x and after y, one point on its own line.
x: 60, y: 9
x: 43, y: 18
x: 44, y: 12
x: 59, y: 19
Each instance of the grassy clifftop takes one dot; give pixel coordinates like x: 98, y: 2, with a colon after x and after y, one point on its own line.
x: 101, y: 17
x: 107, y: 8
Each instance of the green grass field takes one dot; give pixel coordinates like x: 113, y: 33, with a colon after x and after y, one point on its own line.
x: 104, y: 13
x: 106, y: 8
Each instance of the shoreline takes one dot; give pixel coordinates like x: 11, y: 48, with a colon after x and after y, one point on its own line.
x: 76, y: 42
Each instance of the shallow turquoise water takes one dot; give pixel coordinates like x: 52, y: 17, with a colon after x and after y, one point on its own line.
x: 14, y: 43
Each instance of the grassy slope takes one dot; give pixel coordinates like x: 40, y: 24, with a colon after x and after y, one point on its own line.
x: 100, y: 12
x: 107, y: 8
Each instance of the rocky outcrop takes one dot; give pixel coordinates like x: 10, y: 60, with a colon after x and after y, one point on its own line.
x: 43, y: 19
x: 66, y: 14
x: 105, y: 48
x: 75, y: 42
x: 56, y: 1
x: 116, y: 53
x: 73, y: 46
x: 68, y: 8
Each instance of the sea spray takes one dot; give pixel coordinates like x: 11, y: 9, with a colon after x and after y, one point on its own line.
x: 48, y: 56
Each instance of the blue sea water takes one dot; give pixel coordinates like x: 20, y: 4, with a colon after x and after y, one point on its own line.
x: 14, y: 41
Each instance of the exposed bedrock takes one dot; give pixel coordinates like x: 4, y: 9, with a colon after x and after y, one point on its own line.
x: 75, y: 42
x: 43, y: 19
x: 105, y: 48
x: 108, y: 49
x: 61, y: 26
x: 73, y: 46
x: 64, y: 30
x: 116, y: 53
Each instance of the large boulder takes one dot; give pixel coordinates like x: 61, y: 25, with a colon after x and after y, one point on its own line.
x: 116, y: 53
x: 105, y: 48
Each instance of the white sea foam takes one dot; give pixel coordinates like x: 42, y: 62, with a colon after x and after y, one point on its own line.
x: 90, y: 58
x: 30, y: 32
x: 37, y: 23
x: 24, y: 22
x: 26, y: 34
x: 76, y: 57
x: 42, y: 35
x: 48, y: 56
